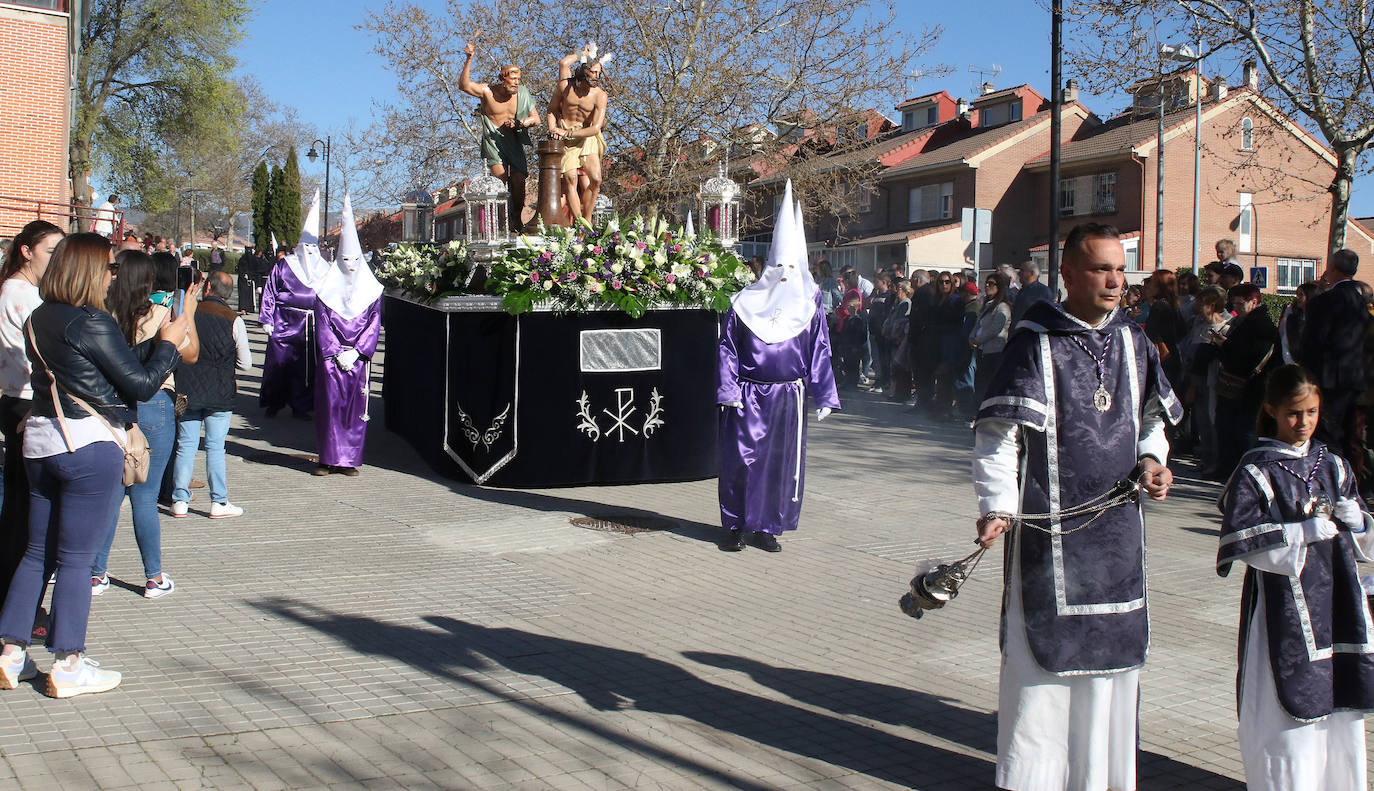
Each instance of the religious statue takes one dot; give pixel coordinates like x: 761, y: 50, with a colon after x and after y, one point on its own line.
x: 507, y: 111
x: 577, y: 115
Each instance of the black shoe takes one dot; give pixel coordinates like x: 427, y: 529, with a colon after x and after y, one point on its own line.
x: 301, y: 415
x: 766, y: 541
x: 272, y: 412
x: 733, y: 542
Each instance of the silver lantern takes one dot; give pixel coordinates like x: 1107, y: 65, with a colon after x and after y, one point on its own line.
x: 417, y: 217
x: 720, y: 201
x: 488, y: 227
x: 602, y: 211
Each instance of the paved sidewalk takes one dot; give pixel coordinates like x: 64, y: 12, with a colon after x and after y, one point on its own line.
x: 398, y: 630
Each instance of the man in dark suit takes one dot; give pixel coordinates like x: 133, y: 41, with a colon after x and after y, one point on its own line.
x: 1333, y: 350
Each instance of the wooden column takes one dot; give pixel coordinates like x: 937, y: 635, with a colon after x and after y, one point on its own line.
x: 550, y: 182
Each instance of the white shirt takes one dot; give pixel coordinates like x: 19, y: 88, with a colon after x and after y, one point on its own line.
x: 104, y: 219
x: 43, y: 435
x: 18, y: 298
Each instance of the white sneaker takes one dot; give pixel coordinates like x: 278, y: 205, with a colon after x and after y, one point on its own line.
x: 179, y: 507
x: 224, y: 510
x: 18, y: 667
x: 85, y: 675
x: 155, y: 590
x: 100, y: 584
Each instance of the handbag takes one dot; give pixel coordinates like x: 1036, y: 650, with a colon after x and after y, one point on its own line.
x: 1232, y: 386
x: 137, y: 457
x: 180, y: 402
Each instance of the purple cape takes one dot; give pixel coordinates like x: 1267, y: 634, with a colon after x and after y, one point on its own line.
x: 1082, y: 592
x: 1318, y: 623
x: 289, y: 365
x: 763, y: 446
x: 341, y: 396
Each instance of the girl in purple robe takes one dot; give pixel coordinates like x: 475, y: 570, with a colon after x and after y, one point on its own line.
x: 349, y: 322
x: 1293, y: 516
x: 774, y: 352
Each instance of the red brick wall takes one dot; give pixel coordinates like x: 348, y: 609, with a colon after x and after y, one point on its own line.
x: 33, y: 95
x: 1286, y: 177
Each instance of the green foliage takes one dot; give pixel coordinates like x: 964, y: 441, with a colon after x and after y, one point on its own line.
x: 231, y: 260
x: 276, y: 219
x: 291, y: 199
x: 261, y: 184
x: 1275, y: 303
x: 153, y: 89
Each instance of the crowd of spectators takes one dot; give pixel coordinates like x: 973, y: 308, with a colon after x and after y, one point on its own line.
x: 933, y: 340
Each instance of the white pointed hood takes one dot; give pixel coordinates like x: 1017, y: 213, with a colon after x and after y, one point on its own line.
x: 349, y: 288
x: 689, y: 230
x: 779, y: 306
x: 306, y: 263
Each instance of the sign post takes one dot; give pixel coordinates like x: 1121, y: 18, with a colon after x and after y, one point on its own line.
x: 977, y: 228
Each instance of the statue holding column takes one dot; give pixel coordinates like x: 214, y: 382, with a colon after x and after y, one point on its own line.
x: 577, y: 116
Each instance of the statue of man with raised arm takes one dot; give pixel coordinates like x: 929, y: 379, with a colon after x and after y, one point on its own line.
x: 507, y: 111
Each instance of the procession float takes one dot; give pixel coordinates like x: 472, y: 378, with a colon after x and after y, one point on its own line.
x: 582, y: 354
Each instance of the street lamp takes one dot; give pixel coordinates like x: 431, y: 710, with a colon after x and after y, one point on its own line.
x: 1186, y: 55
x: 313, y: 155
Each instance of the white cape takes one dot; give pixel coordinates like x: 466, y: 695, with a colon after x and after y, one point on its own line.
x: 349, y: 288
x: 305, y: 261
x: 779, y: 306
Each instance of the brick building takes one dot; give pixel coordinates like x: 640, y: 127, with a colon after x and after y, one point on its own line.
x: 38, y: 49
x: 1262, y: 178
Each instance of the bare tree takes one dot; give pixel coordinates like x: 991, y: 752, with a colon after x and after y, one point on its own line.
x: 1316, y: 55
x: 690, y: 81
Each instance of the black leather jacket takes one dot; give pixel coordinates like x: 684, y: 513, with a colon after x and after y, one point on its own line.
x: 92, y: 359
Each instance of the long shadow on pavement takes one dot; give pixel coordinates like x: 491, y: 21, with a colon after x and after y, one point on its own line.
x: 612, y: 679
x: 928, y: 713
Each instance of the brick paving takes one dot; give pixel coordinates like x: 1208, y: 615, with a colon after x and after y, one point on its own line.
x: 401, y: 630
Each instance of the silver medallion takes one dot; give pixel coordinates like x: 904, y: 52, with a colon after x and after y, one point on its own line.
x: 1102, y: 400
x: 1318, y: 505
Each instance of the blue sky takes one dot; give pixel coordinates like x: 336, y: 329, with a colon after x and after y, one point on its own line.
x: 307, y: 54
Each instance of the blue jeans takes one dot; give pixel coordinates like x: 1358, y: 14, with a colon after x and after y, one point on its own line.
x: 188, y: 439
x: 72, y: 499
x: 158, y: 421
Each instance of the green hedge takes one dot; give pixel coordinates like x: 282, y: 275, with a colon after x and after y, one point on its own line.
x: 231, y: 260
x: 1275, y: 303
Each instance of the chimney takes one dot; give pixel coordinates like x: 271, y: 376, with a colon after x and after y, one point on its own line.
x: 1251, y: 74
x: 1219, y: 88
x: 961, y: 108
x: 1070, y: 93
x: 988, y: 88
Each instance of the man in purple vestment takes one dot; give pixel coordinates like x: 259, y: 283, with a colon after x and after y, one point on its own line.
x: 288, y: 317
x: 349, y: 321
x: 774, y: 351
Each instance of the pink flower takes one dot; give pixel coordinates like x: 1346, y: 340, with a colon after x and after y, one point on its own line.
x: 534, y: 277
x: 616, y: 284
x: 671, y: 277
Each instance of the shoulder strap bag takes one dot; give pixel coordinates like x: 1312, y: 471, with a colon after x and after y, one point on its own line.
x: 135, y: 447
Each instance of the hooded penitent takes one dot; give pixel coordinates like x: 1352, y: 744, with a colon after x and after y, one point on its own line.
x: 288, y: 316
x: 348, y: 314
x: 774, y: 351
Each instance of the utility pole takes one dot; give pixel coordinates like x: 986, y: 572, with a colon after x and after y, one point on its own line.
x: 1056, y: 126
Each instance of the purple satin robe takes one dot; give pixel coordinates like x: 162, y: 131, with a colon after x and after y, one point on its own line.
x: 341, y: 396
x: 288, y: 368
x: 763, y: 446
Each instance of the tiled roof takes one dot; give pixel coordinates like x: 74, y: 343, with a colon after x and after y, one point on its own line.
x: 902, y: 236
x: 961, y: 149
x: 1118, y: 136
x: 1005, y: 93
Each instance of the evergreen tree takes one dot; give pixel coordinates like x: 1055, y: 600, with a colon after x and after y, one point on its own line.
x: 276, y: 219
x: 291, y: 199
x: 261, y: 185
